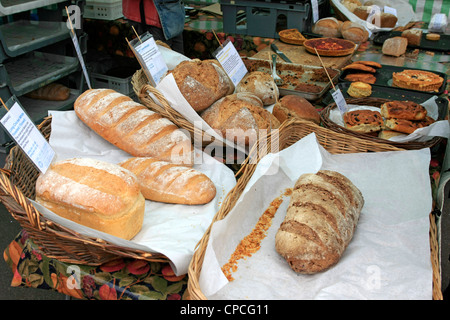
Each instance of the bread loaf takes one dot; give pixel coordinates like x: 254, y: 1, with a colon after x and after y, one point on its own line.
x: 395, y: 46
x: 166, y: 182
x: 133, y: 127
x: 50, y: 92
x: 96, y: 194
x: 414, y: 36
x: 202, y: 82
x: 320, y: 221
x: 328, y: 27
x: 294, y: 106
x: 354, y: 31
x: 261, y: 85
x: 239, y: 117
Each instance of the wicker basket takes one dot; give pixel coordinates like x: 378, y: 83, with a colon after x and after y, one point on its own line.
x: 17, y: 185
x: 374, y: 102
x: 290, y: 132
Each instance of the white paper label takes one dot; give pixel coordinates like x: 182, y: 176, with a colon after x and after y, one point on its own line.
x: 315, y: 10
x: 28, y: 137
x: 152, y: 59
x: 340, y: 100
x: 231, y: 62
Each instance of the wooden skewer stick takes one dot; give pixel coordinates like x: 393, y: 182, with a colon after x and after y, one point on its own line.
x: 217, y: 38
x: 325, y: 69
x: 4, y: 105
x: 137, y: 35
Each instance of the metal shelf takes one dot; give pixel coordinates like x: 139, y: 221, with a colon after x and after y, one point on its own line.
x: 23, y: 36
x: 9, y: 7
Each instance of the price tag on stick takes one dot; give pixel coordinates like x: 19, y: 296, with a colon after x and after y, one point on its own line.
x: 340, y: 100
x: 231, y: 62
x: 27, y: 136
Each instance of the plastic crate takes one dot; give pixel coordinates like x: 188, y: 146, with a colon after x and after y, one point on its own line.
x: 121, y: 85
x: 103, y: 10
x: 266, y: 18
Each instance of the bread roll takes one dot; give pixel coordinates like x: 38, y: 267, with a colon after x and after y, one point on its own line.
x: 359, y: 89
x: 133, y: 127
x: 202, y: 82
x: 260, y: 84
x: 294, y: 106
x: 96, y: 194
x: 166, y: 182
x: 320, y: 221
x: 239, y: 117
x: 328, y: 27
x: 395, y: 46
x: 50, y: 92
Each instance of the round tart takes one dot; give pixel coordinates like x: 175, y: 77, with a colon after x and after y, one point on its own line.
x: 417, y: 80
x: 331, y: 47
x: 291, y: 36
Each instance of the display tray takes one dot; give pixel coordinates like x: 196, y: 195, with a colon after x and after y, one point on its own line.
x: 392, y: 94
x: 442, y: 45
x: 310, y: 82
x: 384, y: 77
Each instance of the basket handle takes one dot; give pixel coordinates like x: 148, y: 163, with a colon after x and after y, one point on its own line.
x: 31, y: 212
x: 169, y: 111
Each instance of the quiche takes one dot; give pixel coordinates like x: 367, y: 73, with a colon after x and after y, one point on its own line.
x: 291, y: 36
x: 417, y: 80
x: 332, y: 47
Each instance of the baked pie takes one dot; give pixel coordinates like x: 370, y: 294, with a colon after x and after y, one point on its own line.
x: 291, y: 36
x: 332, y: 47
x: 417, y: 80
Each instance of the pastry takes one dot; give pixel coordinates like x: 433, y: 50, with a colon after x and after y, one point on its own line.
x: 417, y: 80
x: 359, y: 67
x: 364, y: 121
x: 408, y: 110
x: 362, y: 77
x: 372, y: 64
x: 292, y: 36
x: 433, y: 36
x: 359, y: 89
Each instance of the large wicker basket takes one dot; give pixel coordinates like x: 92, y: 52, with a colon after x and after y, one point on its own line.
x: 17, y: 185
x: 374, y: 102
x: 290, y: 132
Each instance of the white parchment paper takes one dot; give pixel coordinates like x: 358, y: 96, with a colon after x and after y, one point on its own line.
x: 388, y: 257
x: 171, y: 229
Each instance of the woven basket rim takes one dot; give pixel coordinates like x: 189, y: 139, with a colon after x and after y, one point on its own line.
x: 247, y: 171
x: 376, y: 102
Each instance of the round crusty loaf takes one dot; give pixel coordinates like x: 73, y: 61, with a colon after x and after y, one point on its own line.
x: 202, y: 82
x: 239, y: 117
x: 320, y: 221
x: 170, y: 183
x: 93, y: 193
x: 354, y: 31
x: 328, y: 27
x: 293, y: 106
x: 261, y: 85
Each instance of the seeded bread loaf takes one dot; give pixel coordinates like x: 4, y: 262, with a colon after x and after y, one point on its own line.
x: 133, y: 127
x: 96, y: 194
x: 166, y: 182
x: 202, y: 82
x: 239, y: 117
x: 320, y: 221
x: 261, y: 85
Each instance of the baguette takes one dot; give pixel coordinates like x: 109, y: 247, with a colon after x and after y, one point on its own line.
x: 96, y: 194
x: 133, y: 127
x: 169, y: 183
x: 320, y: 221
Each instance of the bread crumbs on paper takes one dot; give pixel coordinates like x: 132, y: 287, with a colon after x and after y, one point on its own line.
x: 250, y: 244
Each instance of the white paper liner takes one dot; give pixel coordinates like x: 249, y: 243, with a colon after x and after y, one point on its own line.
x: 440, y: 128
x: 171, y: 229
x: 388, y: 257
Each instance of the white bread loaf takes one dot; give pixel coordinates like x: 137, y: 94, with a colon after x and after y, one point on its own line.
x: 133, y: 127
x: 166, y: 182
x: 320, y: 221
x: 96, y: 194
